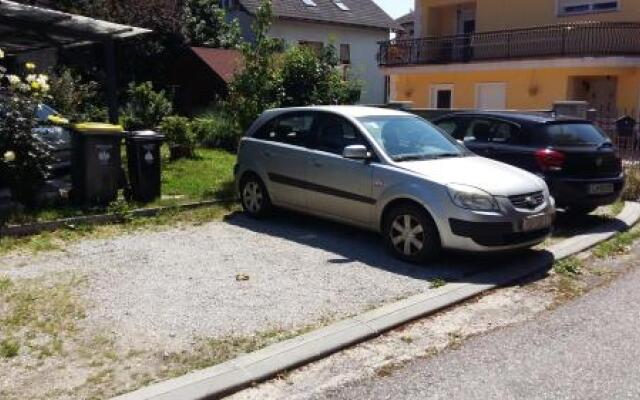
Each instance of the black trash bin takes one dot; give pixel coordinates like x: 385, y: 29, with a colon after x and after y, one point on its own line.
x: 144, y: 164
x: 96, y: 167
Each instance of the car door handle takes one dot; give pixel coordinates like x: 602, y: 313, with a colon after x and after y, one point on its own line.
x: 267, y: 153
x: 318, y: 164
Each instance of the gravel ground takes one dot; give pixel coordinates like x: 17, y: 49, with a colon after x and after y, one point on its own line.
x: 588, y: 349
x: 172, y: 286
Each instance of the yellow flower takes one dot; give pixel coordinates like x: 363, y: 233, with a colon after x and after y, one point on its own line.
x: 35, y: 85
x: 1, y: 54
x: 9, y: 156
x: 30, y: 66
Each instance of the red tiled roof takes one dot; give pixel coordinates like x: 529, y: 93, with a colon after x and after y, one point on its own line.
x: 225, y: 62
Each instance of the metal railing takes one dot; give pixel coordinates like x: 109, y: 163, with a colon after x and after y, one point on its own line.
x: 583, y: 39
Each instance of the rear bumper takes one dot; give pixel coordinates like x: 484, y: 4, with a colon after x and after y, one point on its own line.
x: 575, y: 192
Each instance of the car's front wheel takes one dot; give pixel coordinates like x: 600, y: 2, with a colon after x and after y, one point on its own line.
x: 254, y: 196
x: 411, y: 234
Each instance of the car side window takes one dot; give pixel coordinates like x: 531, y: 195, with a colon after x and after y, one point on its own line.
x: 478, y: 131
x: 295, y: 129
x: 334, y: 133
x: 508, y: 133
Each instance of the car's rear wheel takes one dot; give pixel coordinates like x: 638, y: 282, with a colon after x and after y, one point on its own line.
x: 411, y: 235
x: 254, y: 196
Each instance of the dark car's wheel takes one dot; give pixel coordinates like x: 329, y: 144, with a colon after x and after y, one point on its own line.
x: 411, y: 235
x: 254, y: 196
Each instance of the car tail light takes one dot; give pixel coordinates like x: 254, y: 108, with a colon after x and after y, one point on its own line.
x: 550, y: 160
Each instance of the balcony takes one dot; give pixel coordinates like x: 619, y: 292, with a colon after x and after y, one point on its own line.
x: 585, y: 39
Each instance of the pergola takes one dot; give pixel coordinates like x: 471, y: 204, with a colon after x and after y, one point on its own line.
x: 26, y: 29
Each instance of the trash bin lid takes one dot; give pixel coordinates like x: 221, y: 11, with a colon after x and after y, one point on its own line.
x: 57, y: 120
x: 145, y: 135
x: 97, y: 127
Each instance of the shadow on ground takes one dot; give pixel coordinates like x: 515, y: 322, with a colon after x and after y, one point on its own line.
x: 350, y: 244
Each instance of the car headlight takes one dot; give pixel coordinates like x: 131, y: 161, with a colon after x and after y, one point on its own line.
x: 472, y: 198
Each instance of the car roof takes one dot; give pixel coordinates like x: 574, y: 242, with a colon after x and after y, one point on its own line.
x: 346, y: 111
x: 518, y: 117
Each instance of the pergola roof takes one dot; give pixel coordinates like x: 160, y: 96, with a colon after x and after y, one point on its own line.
x: 25, y: 28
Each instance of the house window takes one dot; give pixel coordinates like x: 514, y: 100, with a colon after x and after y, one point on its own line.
x: 345, y: 54
x: 570, y: 7
x: 442, y: 96
x: 315, y: 46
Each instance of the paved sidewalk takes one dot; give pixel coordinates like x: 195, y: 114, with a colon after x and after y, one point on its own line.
x: 588, y: 349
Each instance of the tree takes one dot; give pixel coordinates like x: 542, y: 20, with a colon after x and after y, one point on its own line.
x: 258, y: 86
x: 205, y: 24
x: 310, y: 78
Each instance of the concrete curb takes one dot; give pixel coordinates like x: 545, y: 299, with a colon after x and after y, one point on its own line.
x: 235, y: 374
x: 99, y: 219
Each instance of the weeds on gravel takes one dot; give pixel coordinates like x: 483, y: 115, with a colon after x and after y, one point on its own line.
x: 437, y: 283
x: 39, y: 316
x: 215, y: 351
x: 569, y: 267
x: 618, y: 245
x: 9, y: 348
x: 48, y: 241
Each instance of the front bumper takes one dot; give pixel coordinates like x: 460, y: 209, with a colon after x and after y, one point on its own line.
x: 475, y: 231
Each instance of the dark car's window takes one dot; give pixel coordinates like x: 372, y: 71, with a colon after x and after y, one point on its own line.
x: 334, y: 133
x: 290, y: 128
x: 406, y: 138
x: 478, y: 130
x: 575, y: 134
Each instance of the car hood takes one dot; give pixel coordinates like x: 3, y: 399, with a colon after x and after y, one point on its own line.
x: 497, y: 178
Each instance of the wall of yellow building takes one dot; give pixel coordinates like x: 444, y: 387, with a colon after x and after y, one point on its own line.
x: 527, y: 89
x: 439, y: 16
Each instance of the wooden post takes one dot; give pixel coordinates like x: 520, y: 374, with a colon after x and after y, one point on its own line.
x: 111, y: 80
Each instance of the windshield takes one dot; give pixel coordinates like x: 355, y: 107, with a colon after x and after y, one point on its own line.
x: 407, y: 138
x: 43, y: 112
x: 580, y: 134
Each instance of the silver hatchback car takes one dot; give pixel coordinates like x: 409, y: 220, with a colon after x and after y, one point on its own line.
x: 393, y: 173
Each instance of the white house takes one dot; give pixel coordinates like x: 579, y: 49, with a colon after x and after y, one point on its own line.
x: 354, y: 26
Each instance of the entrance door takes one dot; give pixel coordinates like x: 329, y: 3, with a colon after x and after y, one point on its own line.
x: 491, y: 96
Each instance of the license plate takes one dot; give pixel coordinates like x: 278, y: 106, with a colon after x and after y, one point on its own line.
x: 601, y: 188
x: 536, y: 222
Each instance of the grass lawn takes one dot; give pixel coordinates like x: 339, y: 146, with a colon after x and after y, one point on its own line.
x: 208, y: 176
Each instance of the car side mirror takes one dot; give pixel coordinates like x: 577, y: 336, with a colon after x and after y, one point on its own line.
x: 356, y: 152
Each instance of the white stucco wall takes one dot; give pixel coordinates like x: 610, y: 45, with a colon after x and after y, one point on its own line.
x: 364, y: 49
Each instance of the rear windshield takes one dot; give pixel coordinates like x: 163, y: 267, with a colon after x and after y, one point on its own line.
x: 580, y: 134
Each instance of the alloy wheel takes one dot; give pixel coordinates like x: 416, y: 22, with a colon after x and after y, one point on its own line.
x: 253, y: 197
x: 407, y: 235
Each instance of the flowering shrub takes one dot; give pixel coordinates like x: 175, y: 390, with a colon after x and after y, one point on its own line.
x: 24, y: 159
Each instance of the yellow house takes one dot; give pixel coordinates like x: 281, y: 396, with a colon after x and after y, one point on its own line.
x: 518, y: 54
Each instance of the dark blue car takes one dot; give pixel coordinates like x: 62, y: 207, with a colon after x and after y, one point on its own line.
x: 574, y: 156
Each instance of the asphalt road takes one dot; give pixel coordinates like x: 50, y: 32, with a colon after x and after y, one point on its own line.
x: 588, y: 349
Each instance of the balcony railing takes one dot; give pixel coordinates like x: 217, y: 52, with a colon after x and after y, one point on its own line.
x: 585, y: 39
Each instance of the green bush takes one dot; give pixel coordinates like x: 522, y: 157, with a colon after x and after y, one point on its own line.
x: 145, y: 108
x: 24, y: 158
x: 75, y: 99
x: 216, y: 132
x: 178, y: 136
